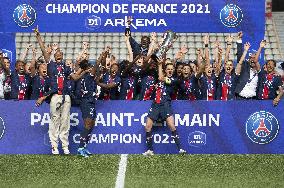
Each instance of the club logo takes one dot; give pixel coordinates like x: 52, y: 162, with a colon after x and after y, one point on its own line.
x: 2, y: 128
x: 231, y: 15
x: 24, y: 15
x: 197, y: 139
x: 93, y: 22
x: 262, y: 127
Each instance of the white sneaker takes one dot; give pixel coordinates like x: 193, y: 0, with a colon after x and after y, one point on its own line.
x: 148, y: 153
x: 54, y: 151
x: 66, y: 151
x: 181, y: 151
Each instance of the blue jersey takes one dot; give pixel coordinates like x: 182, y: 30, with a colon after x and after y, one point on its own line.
x: 164, y: 90
x: 20, y: 86
x: 40, y: 86
x: 268, y: 84
x: 227, y: 85
x: 128, y: 88
x: 208, y: 87
x: 86, y: 86
x: 113, y: 93
x: 188, y: 89
x: 59, y: 76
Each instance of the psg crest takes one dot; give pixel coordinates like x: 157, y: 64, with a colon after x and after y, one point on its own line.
x: 231, y: 15
x: 24, y: 15
x: 262, y: 127
x: 2, y: 128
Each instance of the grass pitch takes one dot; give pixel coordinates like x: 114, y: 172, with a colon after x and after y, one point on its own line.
x: 156, y: 171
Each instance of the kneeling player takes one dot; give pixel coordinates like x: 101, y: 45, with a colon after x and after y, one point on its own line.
x: 86, y: 88
x: 161, y: 107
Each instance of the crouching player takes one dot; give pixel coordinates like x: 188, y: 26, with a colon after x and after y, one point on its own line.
x: 161, y: 106
x: 85, y: 90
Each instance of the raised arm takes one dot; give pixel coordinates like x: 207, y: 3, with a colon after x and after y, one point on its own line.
x: 229, y: 41
x: 42, y: 46
x: 129, y: 48
x: 201, y: 68
x: 78, y: 74
x: 239, y: 65
x: 261, y: 46
x: 33, y: 63
x: 81, y: 55
x: 239, y: 46
x: 160, y: 70
x: 216, y: 50
x: 206, y: 50
x: 153, y: 45
x: 179, y: 56
x: 25, y: 53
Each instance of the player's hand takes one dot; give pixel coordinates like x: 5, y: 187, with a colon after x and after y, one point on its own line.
x: 206, y: 39
x: 276, y: 101
x: 48, y: 49
x: 229, y: 39
x: 153, y: 37
x: 36, y: 31
x: 85, y: 45
x: 240, y: 35
x: 216, y: 44
x: 55, y: 47
x: 262, y: 43
x: 129, y: 20
x: 247, y: 46
x: 29, y: 46
x: 39, y: 101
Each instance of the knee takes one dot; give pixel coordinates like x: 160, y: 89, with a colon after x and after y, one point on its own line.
x: 89, y: 123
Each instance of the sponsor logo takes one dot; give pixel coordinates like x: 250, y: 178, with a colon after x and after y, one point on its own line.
x: 2, y: 128
x: 262, y: 127
x: 24, y: 15
x: 197, y: 139
x: 231, y: 15
x: 93, y: 22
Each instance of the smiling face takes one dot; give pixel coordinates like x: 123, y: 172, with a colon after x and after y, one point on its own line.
x: 169, y: 70
x: 42, y: 69
x: 69, y: 63
x: 20, y: 67
x: 145, y: 41
x: 186, y: 71
x: 193, y: 67
x: 252, y: 60
x: 28, y: 68
x: 7, y: 64
x: 113, y: 70
x: 140, y: 61
x: 270, y: 66
x: 58, y: 56
x: 229, y: 67
x: 208, y: 70
x: 179, y: 70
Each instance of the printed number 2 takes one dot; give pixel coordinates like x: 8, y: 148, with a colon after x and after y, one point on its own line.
x: 192, y: 8
x: 92, y: 111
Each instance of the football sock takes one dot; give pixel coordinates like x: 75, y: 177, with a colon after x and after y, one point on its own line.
x: 149, y: 140
x: 175, y: 136
x: 84, y: 138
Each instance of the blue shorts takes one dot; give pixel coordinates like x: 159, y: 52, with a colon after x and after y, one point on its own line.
x: 160, y: 111
x: 88, y: 109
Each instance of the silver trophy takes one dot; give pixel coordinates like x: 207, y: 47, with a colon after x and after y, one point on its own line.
x: 169, y: 38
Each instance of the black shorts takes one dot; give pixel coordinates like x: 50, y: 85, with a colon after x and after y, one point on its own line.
x: 160, y: 111
x: 88, y: 109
